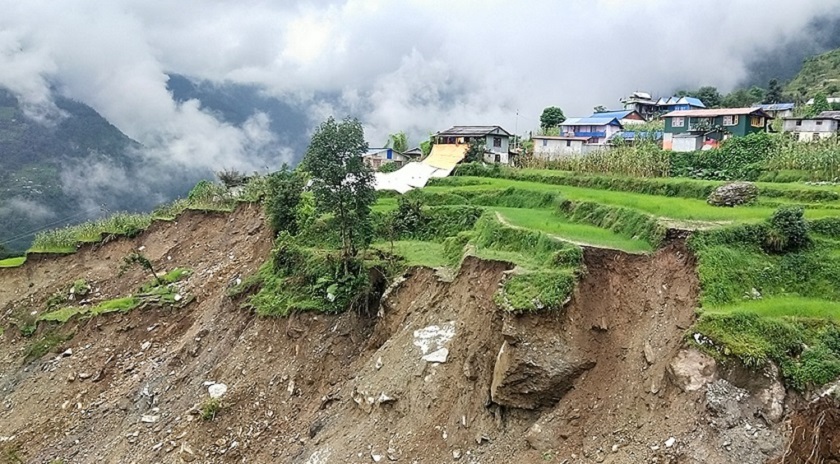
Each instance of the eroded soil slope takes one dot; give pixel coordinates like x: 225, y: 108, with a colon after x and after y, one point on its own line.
x: 439, y: 375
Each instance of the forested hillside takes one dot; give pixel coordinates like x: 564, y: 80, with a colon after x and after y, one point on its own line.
x: 820, y: 74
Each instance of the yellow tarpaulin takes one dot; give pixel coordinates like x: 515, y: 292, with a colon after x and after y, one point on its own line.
x: 446, y: 156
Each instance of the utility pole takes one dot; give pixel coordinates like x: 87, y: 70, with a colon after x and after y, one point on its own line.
x: 516, y: 131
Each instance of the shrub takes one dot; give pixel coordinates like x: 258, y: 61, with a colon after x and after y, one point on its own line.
x: 210, y: 408
x: 788, y: 230
x: 389, y: 167
x: 283, y: 196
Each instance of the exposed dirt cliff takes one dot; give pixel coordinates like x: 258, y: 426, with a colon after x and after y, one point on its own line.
x: 438, y: 375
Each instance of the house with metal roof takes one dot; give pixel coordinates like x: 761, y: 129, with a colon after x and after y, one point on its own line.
x: 777, y: 110
x: 597, y: 129
x: 375, y: 158
x: 623, y: 116
x: 496, y: 140
x: 821, y: 126
x: 690, y: 130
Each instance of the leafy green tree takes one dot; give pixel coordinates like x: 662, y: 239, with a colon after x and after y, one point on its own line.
x: 341, y: 182
x: 284, y: 190
x: 709, y: 95
x: 820, y: 104
x: 475, y: 152
x: 743, y: 98
x: 551, y: 117
x: 774, y: 92
x: 600, y: 109
x: 398, y: 141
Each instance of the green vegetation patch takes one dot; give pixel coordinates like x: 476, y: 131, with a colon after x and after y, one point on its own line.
x: 13, y: 262
x: 769, y: 292
x: 624, y: 221
x: 807, y: 350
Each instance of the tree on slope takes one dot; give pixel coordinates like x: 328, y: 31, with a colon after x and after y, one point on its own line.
x: 820, y: 105
x: 398, y: 141
x: 341, y: 182
x: 551, y: 117
x: 285, y: 188
x: 774, y: 92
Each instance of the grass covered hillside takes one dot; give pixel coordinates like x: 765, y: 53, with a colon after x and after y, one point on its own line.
x: 819, y: 74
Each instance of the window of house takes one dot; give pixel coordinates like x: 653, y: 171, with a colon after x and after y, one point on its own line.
x: 757, y: 121
x: 819, y: 123
x: 497, y: 142
x: 815, y: 137
x: 677, y: 122
x: 731, y: 120
x: 568, y: 143
x: 545, y: 142
x: 799, y: 123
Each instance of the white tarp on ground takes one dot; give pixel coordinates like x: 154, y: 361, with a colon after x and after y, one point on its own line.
x: 410, y: 176
x: 440, y: 163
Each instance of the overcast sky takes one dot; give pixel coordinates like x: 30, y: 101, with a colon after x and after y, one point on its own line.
x: 413, y: 65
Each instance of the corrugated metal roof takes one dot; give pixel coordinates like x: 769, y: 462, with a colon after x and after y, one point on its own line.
x: 829, y: 114
x: 470, y: 131
x: 775, y: 106
x: 591, y: 121
x: 711, y: 113
x: 612, y: 114
x: 671, y: 101
x: 558, y: 137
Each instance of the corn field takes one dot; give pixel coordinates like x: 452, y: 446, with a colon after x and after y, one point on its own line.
x: 821, y: 159
x: 641, y: 160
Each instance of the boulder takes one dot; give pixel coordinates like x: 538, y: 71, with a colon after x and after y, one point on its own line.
x: 533, y: 375
x: 690, y: 370
x: 733, y: 194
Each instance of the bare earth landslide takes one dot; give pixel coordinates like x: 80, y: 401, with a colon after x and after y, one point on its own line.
x: 438, y: 375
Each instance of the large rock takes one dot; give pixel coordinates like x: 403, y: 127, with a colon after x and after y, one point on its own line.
x: 733, y: 194
x: 690, y: 370
x: 533, y: 375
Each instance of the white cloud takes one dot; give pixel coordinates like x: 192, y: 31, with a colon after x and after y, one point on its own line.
x: 416, y: 65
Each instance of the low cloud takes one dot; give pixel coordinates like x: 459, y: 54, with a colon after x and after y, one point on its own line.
x: 415, y: 65
x: 29, y: 209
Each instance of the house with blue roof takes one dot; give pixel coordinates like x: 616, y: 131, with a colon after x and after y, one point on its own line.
x: 598, y: 128
x: 777, y: 110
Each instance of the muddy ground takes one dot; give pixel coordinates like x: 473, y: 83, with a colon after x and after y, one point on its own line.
x: 438, y: 375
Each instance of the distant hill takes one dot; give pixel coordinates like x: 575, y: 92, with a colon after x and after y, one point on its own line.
x: 820, y: 73
x: 81, y: 166
x: 42, y: 180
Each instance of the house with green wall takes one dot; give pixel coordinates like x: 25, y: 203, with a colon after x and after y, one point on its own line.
x: 690, y: 130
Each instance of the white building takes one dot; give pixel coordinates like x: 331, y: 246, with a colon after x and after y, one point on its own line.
x: 825, y: 124
x: 550, y: 148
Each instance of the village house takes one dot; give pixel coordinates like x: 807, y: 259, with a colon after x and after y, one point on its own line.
x: 375, y: 158
x: 690, y: 130
x: 624, y: 116
x: 596, y: 129
x: 825, y: 124
x: 777, y: 110
x: 550, y: 147
x: 496, y: 140
x: 649, y: 108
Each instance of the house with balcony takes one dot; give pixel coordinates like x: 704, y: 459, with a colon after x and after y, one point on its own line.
x: 649, y: 108
x: 596, y: 129
x: 690, y: 130
x: 821, y: 126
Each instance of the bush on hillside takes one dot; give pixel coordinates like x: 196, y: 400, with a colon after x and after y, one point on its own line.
x: 788, y: 230
x: 738, y: 158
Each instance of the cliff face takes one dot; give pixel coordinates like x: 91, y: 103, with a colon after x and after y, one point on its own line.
x: 439, y: 374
